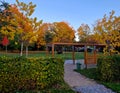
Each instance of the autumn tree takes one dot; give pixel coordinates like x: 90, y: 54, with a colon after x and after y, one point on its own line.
x: 27, y: 26
x: 107, y: 31
x: 83, y: 32
x: 63, y: 32
x: 45, y: 34
x: 7, y: 24
x: 3, y: 6
x: 56, y: 32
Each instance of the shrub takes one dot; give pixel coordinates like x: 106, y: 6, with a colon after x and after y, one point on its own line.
x: 116, y: 60
x: 109, y: 68
x: 29, y: 73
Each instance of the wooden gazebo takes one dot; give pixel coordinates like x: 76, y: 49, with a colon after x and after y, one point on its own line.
x: 88, y: 59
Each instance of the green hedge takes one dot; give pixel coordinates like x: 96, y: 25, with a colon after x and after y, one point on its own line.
x: 109, y: 68
x: 29, y: 73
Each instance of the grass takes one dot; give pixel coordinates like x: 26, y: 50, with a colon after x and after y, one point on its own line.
x: 68, y: 55
x: 113, y: 86
x: 65, y: 55
x: 92, y: 73
x: 30, y: 54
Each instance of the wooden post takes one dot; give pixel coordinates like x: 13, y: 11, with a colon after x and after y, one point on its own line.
x: 52, y: 50
x: 73, y: 54
x: 85, y: 56
x: 95, y: 57
x: 46, y: 49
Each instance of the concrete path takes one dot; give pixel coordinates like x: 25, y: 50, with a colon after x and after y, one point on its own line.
x: 80, y: 83
x: 73, y: 78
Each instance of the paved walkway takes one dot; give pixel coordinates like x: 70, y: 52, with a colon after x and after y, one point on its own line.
x: 80, y: 83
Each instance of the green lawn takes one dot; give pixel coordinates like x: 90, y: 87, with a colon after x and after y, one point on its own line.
x: 65, y: 55
x: 92, y: 73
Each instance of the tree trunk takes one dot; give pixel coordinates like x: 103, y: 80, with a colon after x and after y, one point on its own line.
x: 6, y: 49
x: 26, y: 51
x: 21, y: 52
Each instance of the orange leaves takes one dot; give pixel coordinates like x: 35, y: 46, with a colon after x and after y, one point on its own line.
x: 26, y: 27
x: 55, y: 32
x: 41, y: 33
x: 63, y: 32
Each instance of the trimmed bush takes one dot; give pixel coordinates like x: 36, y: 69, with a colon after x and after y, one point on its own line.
x: 29, y: 73
x: 109, y: 68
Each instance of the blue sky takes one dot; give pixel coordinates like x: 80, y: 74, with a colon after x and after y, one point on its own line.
x: 75, y: 12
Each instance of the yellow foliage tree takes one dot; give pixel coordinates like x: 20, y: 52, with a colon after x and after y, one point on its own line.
x: 7, y: 24
x: 107, y: 31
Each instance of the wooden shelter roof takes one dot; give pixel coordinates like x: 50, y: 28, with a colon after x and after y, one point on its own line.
x: 77, y: 44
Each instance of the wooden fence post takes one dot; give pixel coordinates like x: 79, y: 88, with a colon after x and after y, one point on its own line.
x: 85, y: 55
x: 73, y: 54
x: 95, y: 56
x: 53, y: 50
